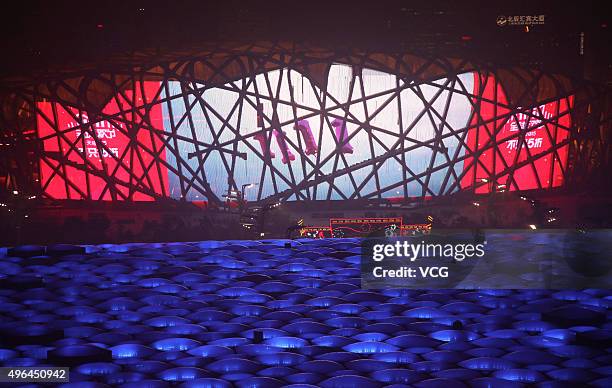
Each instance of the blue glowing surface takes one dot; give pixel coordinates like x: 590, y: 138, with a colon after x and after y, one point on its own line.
x: 256, y: 313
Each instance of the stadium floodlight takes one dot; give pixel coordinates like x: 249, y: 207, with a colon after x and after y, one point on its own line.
x: 244, y: 187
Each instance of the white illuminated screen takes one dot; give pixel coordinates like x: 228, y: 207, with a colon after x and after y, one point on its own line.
x: 206, y: 125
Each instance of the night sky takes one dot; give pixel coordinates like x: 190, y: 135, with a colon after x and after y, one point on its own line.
x: 39, y: 35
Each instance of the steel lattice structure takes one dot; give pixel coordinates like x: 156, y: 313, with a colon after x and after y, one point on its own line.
x: 301, y: 123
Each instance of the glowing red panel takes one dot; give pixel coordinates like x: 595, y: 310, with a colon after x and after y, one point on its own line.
x: 544, y: 129
x: 104, y: 148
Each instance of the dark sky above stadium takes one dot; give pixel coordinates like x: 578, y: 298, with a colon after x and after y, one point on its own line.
x: 37, y: 34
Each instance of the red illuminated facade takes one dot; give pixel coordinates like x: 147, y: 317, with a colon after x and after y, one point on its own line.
x: 105, y: 158
x: 530, y: 145
x: 167, y: 130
